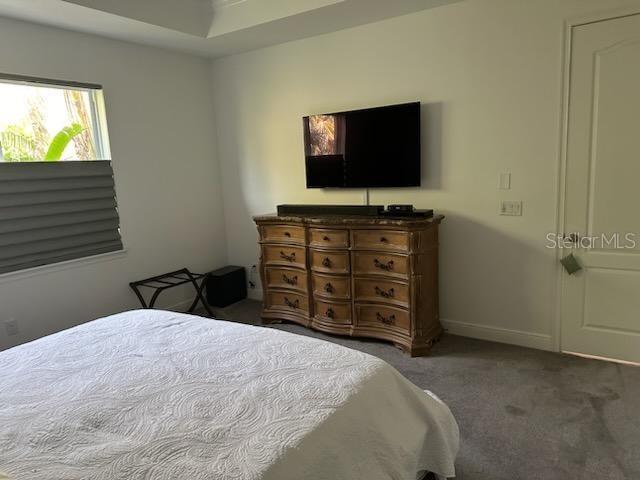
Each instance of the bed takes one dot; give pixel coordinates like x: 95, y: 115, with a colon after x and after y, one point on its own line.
x: 164, y: 396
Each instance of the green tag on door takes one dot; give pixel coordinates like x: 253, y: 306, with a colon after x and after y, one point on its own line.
x: 570, y: 264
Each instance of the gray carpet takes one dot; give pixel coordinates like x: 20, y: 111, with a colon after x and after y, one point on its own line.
x: 523, y: 413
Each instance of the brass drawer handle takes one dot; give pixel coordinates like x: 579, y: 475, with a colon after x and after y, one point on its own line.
x: 390, y: 320
x: 288, y: 258
x: 326, y: 262
x: 326, y: 239
x: 289, y: 303
x: 287, y: 234
x: 329, y: 288
x: 385, y: 294
x: 290, y: 280
x: 330, y: 313
x: 383, y: 266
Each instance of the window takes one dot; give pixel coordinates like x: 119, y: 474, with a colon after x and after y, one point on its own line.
x: 51, y: 122
x: 57, y: 194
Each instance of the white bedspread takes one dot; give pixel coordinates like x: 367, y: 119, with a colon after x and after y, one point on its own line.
x: 165, y: 396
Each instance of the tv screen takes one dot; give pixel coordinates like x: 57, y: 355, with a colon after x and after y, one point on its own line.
x: 375, y: 147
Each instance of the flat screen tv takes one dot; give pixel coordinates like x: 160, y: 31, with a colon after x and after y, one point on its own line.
x: 374, y: 147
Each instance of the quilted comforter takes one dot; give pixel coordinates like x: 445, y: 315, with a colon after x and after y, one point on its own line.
x: 164, y: 396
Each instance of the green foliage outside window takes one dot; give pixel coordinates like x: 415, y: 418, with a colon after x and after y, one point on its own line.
x: 40, y: 123
x: 17, y: 145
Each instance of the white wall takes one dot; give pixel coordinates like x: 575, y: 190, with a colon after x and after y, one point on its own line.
x: 167, y: 177
x: 488, y: 73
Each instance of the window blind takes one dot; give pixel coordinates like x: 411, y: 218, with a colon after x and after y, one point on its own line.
x: 56, y: 211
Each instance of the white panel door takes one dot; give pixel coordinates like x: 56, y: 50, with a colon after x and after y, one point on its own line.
x: 601, y: 303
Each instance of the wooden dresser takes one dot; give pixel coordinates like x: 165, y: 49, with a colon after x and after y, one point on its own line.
x: 358, y: 276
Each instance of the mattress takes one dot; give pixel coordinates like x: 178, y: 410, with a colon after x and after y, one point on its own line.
x: 163, y: 396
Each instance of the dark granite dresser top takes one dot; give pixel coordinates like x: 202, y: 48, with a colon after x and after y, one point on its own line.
x: 348, y: 220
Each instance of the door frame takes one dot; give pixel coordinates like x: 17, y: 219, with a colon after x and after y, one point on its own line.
x: 569, y: 25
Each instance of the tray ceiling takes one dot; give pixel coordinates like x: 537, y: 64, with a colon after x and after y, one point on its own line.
x: 210, y: 28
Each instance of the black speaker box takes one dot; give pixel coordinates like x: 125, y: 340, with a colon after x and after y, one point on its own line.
x: 226, y: 285
x: 359, y: 210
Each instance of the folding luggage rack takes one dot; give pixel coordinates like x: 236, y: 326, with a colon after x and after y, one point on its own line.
x: 160, y: 283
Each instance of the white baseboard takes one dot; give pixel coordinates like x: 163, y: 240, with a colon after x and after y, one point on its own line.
x: 254, y: 294
x: 181, y: 306
x: 482, y: 332
x: 498, y: 334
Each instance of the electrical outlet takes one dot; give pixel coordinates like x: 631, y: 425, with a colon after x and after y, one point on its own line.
x: 11, y: 327
x: 252, y: 272
x: 511, y: 207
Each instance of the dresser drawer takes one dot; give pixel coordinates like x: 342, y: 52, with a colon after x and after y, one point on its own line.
x: 331, y: 286
x: 286, y: 255
x: 381, y: 290
x: 286, y: 278
x: 287, y: 301
x: 283, y: 233
x: 378, y: 263
x: 333, y: 312
x: 383, y: 316
x: 329, y: 262
x: 381, y: 240
x: 320, y: 237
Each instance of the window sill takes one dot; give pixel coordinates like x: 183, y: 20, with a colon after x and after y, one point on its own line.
x: 61, y: 266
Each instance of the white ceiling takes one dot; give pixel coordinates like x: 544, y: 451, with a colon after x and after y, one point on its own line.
x: 210, y: 28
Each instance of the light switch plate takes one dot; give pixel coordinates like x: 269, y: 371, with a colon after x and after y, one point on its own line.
x: 511, y: 208
x: 505, y: 181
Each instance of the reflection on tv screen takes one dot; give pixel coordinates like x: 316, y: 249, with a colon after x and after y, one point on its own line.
x: 324, y: 133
